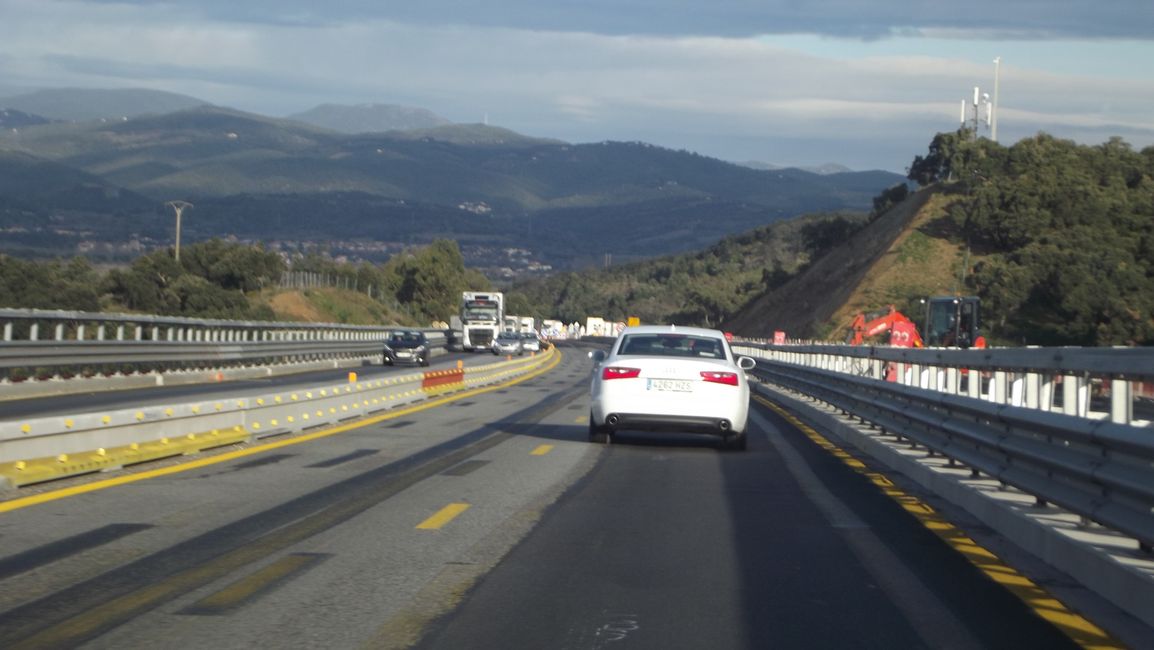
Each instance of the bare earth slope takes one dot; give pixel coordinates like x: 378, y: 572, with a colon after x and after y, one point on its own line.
x: 908, y: 253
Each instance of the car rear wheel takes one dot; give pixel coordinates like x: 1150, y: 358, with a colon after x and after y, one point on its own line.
x: 599, y: 435
x: 734, y: 442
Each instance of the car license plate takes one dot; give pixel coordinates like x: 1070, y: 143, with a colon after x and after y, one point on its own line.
x: 670, y: 385
x: 404, y: 353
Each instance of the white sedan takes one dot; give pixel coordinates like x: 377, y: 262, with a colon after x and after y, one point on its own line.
x: 669, y: 378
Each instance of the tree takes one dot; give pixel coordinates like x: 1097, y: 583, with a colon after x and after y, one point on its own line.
x: 889, y: 198
x: 430, y: 280
x: 73, y: 285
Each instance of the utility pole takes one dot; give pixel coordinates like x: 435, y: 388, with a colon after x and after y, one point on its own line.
x: 179, y: 207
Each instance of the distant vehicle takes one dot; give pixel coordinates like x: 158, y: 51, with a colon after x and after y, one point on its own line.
x: 670, y: 379
x: 482, y: 317
x: 530, y: 342
x: 408, y: 346
x: 508, y: 343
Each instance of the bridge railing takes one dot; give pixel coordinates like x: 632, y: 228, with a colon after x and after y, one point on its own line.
x: 1062, y: 424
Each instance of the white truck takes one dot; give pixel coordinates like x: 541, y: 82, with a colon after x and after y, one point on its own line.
x: 482, y: 317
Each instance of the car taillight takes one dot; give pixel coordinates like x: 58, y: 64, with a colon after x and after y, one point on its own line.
x: 714, y: 377
x: 615, y: 372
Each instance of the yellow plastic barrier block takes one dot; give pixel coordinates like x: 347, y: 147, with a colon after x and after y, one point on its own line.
x: 51, y: 468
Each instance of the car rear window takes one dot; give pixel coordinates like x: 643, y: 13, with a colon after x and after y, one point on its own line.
x: 671, y: 345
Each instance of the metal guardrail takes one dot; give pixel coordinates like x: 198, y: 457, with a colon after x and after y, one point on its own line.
x: 38, y: 345
x: 1000, y: 412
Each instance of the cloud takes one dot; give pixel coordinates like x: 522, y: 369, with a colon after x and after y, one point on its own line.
x: 874, y: 19
x: 721, y: 94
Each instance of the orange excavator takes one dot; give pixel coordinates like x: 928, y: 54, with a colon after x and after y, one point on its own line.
x: 950, y: 322
x: 903, y: 332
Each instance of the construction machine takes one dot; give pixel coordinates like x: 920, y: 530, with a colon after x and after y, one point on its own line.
x: 903, y: 332
x: 950, y: 321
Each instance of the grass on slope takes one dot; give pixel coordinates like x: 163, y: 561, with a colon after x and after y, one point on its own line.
x: 326, y: 305
x: 925, y: 259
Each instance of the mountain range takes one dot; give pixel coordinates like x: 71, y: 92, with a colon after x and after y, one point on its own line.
x: 100, y: 176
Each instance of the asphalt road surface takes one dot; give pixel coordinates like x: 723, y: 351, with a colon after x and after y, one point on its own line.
x: 486, y: 520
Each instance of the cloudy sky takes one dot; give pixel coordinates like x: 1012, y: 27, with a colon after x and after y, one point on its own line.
x: 864, y: 83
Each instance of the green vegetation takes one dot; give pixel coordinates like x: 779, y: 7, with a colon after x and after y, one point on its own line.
x: 72, y: 285
x: 216, y: 279
x: 702, y: 288
x: 1065, y: 234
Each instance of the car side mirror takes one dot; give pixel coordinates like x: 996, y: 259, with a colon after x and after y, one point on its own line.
x: 597, y: 356
x: 746, y: 363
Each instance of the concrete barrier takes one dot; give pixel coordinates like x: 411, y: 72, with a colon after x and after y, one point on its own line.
x: 47, y: 448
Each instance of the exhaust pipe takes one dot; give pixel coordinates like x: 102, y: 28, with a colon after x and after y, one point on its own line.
x: 612, y: 419
x: 723, y: 425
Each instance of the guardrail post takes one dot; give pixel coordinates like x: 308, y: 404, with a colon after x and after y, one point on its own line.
x: 1016, y: 385
x: 923, y: 375
x: 1046, y: 392
x: 1121, y: 401
x: 1076, y: 395
x: 953, y: 380
x: 1033, y: 388
x: 998, y: 387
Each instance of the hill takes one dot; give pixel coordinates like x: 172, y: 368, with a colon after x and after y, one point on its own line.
x: 11, y: 118
x: 493, y: 190
x: 700, y: 288
x: 1055, y: 238
x: 82, y: 104
x: 896, y: 259
x: 369, y: 118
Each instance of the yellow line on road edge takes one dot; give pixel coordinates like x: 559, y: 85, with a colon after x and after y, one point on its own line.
x: 1083, y: 632
x: 443, y: 516
x: 541, y: 450
x: 24, y: 502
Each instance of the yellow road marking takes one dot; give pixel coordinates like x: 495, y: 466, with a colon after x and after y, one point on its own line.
x: 541, y: 450
x: 24, y: 502
x: 1083, y: 632
x: 443, y: 516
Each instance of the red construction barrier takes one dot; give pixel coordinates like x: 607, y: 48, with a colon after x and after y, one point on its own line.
x: 435, y: 378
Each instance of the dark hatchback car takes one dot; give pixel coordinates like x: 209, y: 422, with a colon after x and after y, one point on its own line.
x: 409, y: 346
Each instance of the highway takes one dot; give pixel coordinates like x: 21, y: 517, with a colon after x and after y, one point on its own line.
x: 484, y: 519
